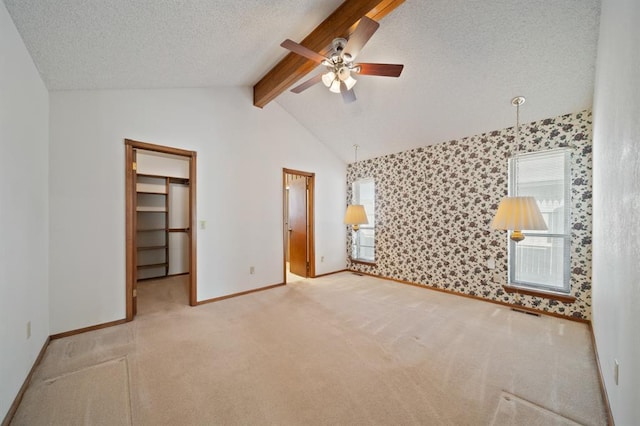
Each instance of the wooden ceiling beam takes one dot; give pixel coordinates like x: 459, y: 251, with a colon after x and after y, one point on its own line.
x: 341, y: 23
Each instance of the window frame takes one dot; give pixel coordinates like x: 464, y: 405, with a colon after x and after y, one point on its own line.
x: 355, y: 242
x: 566, y: 237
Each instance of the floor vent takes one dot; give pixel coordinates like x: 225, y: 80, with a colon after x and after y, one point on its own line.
x: 522, y: 311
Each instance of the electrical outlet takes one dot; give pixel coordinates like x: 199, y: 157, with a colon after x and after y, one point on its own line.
x: 616, y: 371
x: 321, y: 259
x: 203, y: 224
x: 497, y: 277
x: 29, y: 331
x: 252, y: 270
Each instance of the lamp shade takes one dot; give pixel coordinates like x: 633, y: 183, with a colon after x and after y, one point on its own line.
x: 355, y: 215
x: 518, y: 213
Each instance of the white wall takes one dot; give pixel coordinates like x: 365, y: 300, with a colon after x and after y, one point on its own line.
x: 161, y: 164
x: 241, y: 152
x: 23, y: 212
x: 616, y: 209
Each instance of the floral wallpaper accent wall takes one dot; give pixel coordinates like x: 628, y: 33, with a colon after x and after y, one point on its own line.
x: 435, y: 204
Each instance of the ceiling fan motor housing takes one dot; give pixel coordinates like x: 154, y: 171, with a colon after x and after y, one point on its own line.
x: 340, y: 62
x: 338, y: 44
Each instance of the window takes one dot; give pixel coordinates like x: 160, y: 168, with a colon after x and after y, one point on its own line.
x: 542, y: 260
x: 363, y: 248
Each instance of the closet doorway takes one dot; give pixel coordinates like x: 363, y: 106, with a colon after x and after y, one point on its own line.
x: 160, y: 218
x: 299, y: 255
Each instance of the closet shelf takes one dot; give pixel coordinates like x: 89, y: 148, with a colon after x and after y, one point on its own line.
x: 152, y: 247
x: 148, y: 209
x: 153, y: 265
x: 151, y: 192
x: 155, y: 204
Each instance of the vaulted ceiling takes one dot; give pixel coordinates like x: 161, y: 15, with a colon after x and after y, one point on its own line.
x: 464, y: 59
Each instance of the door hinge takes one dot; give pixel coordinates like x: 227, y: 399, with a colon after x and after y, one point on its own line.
x: 135, y: 292
x: 308, y: 266
x: 134, y: 166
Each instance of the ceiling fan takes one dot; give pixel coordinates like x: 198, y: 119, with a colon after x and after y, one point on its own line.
x: 340, y: 63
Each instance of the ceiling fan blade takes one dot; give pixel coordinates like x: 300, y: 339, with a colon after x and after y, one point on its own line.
x: 384, y: 70
x: 363, y: 32
x: 348, y: 96
x: 302, y: 51
x: 304, y: 86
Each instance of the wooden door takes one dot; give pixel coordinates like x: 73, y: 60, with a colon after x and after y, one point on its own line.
x: 134, y: 218
x: 298, y: 242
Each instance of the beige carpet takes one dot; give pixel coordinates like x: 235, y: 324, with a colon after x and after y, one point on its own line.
x: 516, y: 411
x: 342, y: 349
x: 292, y: 278
x: 98, y: 394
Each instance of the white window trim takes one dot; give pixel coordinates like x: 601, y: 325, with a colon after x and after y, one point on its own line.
x: 355, y: 197
x: 566, y: 289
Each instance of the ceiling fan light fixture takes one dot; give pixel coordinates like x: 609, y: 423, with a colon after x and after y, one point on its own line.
x: 344, y: 73
x: 328, y: 78
x: 335, y: 86
x: 350, y: 82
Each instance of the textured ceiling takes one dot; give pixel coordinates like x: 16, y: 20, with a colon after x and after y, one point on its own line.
x: 464, y: 59
x: 115, y: 44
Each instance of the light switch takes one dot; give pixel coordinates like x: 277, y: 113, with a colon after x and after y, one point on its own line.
x: 491, y: 263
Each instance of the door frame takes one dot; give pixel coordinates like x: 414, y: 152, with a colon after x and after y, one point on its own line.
x: 310, y: 221
x: 130, y: 218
